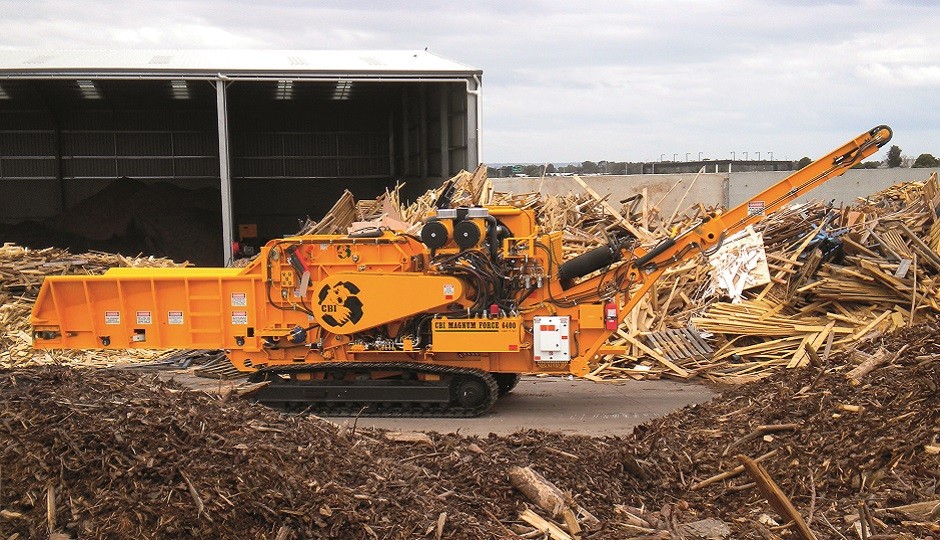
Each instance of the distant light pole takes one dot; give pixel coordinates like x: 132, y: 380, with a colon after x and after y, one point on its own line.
x: 687, y: 156
x: 700, y: 156
x: 745, y: 155
x: 732, y: 155
x: 771, y: 155
x: 662, y: 158
x: 758, y: 156
x: 675, y: 157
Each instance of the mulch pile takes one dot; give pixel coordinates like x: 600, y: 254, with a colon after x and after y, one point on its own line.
x: 882, y: 456
x: 102, y: 453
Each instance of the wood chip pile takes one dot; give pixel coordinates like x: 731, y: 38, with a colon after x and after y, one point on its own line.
x: 113, y: 454
x: 21, y: 273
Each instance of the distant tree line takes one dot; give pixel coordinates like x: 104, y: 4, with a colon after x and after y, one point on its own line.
x: 585, y: 167
x: 892, y: 160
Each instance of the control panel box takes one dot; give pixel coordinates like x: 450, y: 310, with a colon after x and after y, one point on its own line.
x: 551, y: 339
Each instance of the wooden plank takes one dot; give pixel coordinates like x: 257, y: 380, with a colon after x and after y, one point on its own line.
x: 658, y: 357
x: 704, y: 348
x: 801, y: 358
x: 553, y: 530
x: 683, y: 342
x: 775, y: 496
x: 922, y: 247
x: 858, y: 335
x: 644, y: 236
x: 676, y: 353
x: 656, y: 343
x: 730, y: 473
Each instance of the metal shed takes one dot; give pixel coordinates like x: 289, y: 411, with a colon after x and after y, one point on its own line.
x: 280, y: 134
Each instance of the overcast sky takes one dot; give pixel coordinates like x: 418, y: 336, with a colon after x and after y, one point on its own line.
x: 590, y: 80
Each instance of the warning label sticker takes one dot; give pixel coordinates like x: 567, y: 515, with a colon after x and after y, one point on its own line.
x: 144, y: 317
x: 112, y: 317
x: 239, y: 317
x: 174, y: 317
x: 239, y: 299
x: 755, y: 208
x: 449, y: 291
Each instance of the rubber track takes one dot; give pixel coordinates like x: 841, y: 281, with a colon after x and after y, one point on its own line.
x: 381, y: 409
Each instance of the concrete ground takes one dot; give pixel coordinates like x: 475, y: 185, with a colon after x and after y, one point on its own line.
x: 573, y: 407
x: 570, y: 406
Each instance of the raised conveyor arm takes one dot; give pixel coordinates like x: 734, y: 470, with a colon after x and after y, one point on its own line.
x: 646, y: 265
x: 709, y: 231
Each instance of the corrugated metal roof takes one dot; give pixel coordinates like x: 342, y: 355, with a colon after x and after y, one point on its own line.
x: 266, y: 63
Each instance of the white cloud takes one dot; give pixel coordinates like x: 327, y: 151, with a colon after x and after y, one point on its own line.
x: 598, y: 79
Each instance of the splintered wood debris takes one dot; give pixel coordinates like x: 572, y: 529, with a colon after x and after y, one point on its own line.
x: 117, y: 454
x: 808, y: 279
x: 852, y: 441
x: 21, y: 273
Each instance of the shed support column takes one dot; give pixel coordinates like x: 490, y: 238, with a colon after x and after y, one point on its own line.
x: 391, y: 144
x: 445, y: 131
x: 405, y: 143
x: 474, y: 121
x: 225, y: 173
x: 423, y: 133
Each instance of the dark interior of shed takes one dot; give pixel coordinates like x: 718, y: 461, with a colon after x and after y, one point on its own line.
x: 133, y: 166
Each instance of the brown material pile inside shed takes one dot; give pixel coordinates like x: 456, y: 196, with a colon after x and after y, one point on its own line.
x: 132, y: 217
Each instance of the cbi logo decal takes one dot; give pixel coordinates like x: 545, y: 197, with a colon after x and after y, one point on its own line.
x: 339, y: 303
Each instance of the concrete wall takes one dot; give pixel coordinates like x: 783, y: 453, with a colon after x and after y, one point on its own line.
x: 708, y: 189
x: 844, y: 189
x: 713, y: 189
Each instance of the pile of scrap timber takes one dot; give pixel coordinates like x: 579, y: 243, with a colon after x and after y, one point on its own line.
x: 848, y: 449
x: 21, y: 273
x: 808, y: 280
x: 805, y: 282
x: 388, y: 210
x: 840, y: 276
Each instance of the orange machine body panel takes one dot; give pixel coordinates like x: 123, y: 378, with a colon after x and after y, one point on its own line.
x: 352, y: 285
